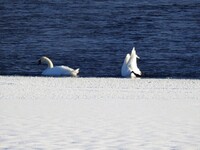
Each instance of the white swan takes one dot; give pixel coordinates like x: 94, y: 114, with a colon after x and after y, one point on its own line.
x: 129, y: 67
x: 57, y: 70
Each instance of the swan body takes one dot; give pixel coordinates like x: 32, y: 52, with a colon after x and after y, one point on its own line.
x: 129, y: 67
x: 57, y: 70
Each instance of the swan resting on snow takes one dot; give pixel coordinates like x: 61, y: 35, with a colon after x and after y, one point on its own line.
x: 57, y: 70
x: 129, y: 67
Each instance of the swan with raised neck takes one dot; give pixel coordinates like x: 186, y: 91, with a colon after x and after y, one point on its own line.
x: 46, y: 60
x: 52, y: 70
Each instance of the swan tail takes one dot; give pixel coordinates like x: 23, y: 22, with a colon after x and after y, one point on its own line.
x: 75, y: 72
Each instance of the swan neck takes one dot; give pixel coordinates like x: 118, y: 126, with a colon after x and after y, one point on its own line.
x: 135, y: 60
x: 49, y: 63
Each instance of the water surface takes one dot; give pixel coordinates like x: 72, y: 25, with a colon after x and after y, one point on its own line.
x: 96, y: 35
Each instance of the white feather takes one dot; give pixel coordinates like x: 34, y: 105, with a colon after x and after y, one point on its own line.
x: 57, y: 70
x: 130, y: 65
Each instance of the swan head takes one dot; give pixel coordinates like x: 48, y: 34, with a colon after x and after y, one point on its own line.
x: 39, y: 62
x: 46, y: 60
x: 133, y: 53
x: 42, y: 60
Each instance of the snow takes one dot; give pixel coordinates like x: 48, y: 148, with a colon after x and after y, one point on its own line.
x: 99, y: 113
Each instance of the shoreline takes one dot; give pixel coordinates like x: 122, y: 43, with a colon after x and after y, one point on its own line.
x: 38, y: 76
x: 103, y: 88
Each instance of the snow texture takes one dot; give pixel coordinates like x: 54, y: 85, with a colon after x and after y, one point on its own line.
x: 99, y: 113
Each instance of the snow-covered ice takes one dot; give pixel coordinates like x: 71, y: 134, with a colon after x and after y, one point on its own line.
x: 99, y: 113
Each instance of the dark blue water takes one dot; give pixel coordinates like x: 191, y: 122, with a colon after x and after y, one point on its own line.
x: 95, y: 36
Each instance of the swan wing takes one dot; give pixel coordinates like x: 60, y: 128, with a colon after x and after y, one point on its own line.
x: 125, y: 70
x: 69, y: 71
x: 60, y: 71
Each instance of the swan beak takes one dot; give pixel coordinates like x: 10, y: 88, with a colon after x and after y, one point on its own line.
x: 39, y: 62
